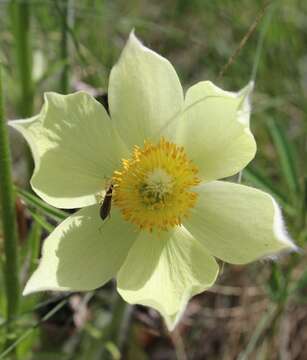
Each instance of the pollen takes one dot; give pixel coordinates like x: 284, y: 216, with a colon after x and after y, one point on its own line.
x: 153, y: 189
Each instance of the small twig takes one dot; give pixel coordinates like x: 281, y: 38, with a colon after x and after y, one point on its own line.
x: 243, y: 41
x: 284, y: 336
x: 235, y: 290
x: 236, y: 311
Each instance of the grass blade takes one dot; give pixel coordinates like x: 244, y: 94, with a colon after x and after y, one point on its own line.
x: 37, y: 203
x: 286, y: 156
x: 41, y: 221
x: 31, y: 329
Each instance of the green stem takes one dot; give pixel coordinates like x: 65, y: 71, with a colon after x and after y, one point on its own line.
x: 65, y: 11
x: 120, y: 323
x: 35, y: 245
x: 64, y: 81
x: 7, y: 199
x: 20, y: 18
x: 20, y: 15
x: 117, y: 332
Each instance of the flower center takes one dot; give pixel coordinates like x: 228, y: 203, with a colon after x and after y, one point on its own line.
x: 153, y: 188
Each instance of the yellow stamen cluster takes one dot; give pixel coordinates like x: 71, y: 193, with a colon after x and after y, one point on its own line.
x: 153, y: 188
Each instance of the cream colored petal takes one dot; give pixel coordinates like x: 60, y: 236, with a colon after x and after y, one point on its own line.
x: 164, y: 271
x: 144, y: 94
x: 237, y: 223
x: 83, y: 252
x: 75, y: 149
x: 215, y: 130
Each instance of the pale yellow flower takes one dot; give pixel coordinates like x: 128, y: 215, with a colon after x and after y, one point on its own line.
x: 163, y: 152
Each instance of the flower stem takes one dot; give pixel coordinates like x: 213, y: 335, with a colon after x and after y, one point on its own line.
x: 120, y: 323
x: 67, y: 20
x: 20, y: 16
x: 7, y: 202
x: 20, y: 19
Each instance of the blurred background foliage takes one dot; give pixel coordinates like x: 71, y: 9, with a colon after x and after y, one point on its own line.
x: 254, y: 312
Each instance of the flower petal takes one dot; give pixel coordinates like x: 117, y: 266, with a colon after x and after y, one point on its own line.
x: 74, y: 148
x: 237, y: 223
x: 164, y: 271
x: 144, y: 93
x: 215, y: 130
x: 83, y: 252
